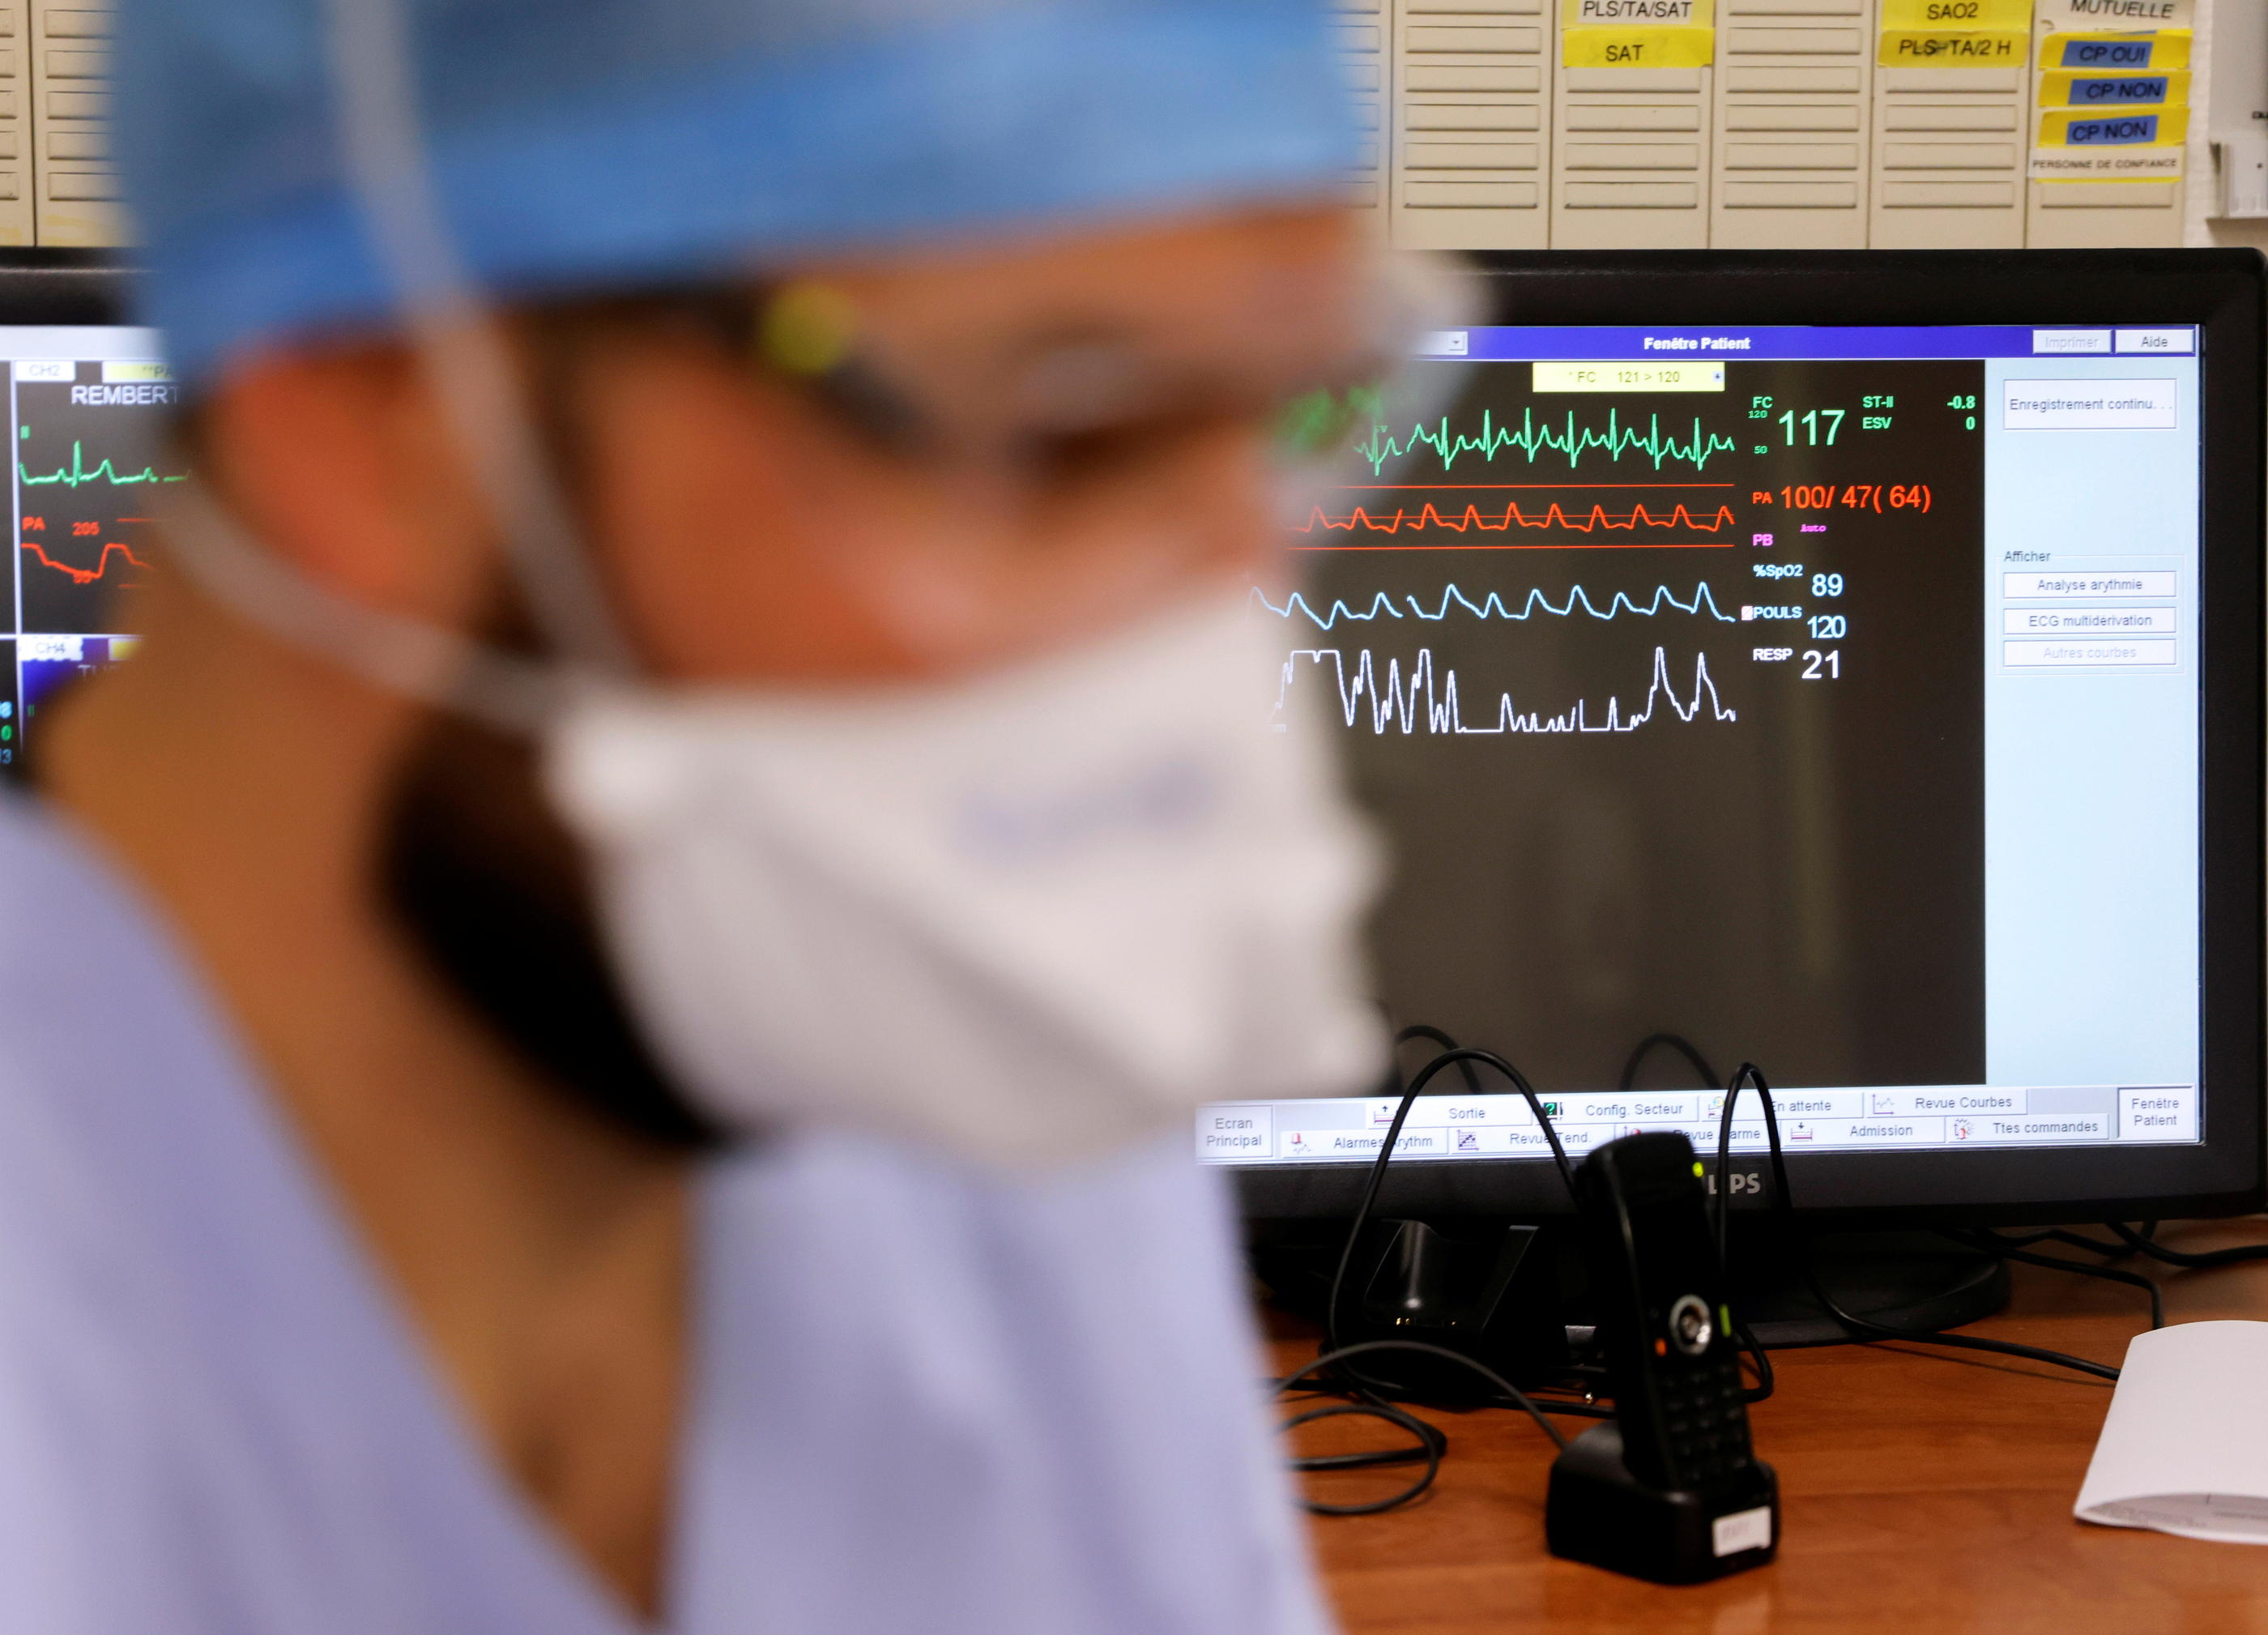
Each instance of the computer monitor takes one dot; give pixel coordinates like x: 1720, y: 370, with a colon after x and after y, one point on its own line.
x: 87, y: 398
x: 1847, y: 663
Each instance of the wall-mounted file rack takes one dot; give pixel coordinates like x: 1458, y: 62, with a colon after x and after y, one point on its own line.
x: 1572, y: 124
x: 1472, y: 95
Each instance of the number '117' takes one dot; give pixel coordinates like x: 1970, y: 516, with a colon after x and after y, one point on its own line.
x: 1811, y: 423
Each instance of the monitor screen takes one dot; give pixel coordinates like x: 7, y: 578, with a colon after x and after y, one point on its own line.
x: 87, y: 409
x: 1825, y: 697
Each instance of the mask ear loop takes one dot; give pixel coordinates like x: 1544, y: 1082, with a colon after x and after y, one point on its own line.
x: 408, y: 657
x: 460, y: 344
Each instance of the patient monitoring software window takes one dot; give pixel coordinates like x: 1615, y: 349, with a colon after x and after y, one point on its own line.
x: 1826, y: 698
x: 86, y: 417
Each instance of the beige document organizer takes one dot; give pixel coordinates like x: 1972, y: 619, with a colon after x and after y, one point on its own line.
x: 2080, y: 215
x: 1948, y: 170
x: 1790, y: 132
x: 1472, y: 87
x: 70, y: 122
x: 1950, y: 138
x: 1361, y: 26
x: 15, y: 123
x: 1629, y: 146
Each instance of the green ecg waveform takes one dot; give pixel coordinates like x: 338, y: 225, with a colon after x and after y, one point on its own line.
x: 1536, y: 440
x: 77, y: 473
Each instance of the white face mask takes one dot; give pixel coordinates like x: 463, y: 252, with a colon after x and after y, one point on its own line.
x: 1028, y: 918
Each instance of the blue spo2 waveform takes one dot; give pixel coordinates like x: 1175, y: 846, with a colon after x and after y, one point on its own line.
x: 1492, y: 605
x: 1421, y: 703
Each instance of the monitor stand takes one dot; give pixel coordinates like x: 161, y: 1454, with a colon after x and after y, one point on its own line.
x: 1901, y: 1279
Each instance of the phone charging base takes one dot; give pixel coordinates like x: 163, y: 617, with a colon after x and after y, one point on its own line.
x: 1599, y: 1514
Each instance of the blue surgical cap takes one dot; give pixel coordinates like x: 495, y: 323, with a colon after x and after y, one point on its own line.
x: 592, y: 144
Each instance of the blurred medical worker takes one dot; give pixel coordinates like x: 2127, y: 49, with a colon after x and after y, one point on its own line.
x: 604, y: 1021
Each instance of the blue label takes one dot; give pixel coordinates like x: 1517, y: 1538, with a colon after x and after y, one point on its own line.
x: 2095, y: 92
x: 2138, y: 129
x: 2106, y: 53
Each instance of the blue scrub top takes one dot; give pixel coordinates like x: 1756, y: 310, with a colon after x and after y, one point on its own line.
x: 924, y: 1400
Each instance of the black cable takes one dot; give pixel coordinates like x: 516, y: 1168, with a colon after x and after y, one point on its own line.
x: 1747, y: 1073
x: 2093, y: 1246
x: 2058, y: 1234
x: 1512, y: 1394
x: 1856, y: 1326
x: 2140, y: 1243
x: 1678, y: 1042
x: 1571, y: 1406
x: 1429, y: 1446
x: 1990, y: 1243
x: 1762, y: 1390
x: 1410, y: 1034
x: 1435, y: 1035
x: 1425, y: 1447
x: 1865, y: 1328
x: 1425, y: 1076
x: 1765, y: 1382
x: 1431, y: 1443
x: 2025, y: 1240
x: 1420, y: 1030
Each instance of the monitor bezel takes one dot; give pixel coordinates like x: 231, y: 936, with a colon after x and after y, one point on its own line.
x: 79, y: 288
x: 2221, y: 291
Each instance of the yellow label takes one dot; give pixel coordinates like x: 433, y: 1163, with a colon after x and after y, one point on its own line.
x: 1636, y: 13
x: 2096, y: 54
x: 1908, y: 48
x: 2001, y: 16
x: 2107, y: 93
x: 1638, y: 47
x: 114, y: 373
x: 2107, y: 132
x: 1635, y: 377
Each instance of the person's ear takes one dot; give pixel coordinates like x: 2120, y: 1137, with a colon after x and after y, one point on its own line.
x: 340, y: 462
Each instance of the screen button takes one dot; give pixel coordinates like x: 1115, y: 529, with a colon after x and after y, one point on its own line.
x: 2052, y: 343
x: 2087, y: 584
x: 2157, y: 1112
x: 1234, y: 1132
x: 2087, y: 653
x: 2089, y: 405
x: 2167, y: 343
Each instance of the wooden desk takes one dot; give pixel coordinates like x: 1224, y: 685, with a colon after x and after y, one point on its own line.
x: 1921, y: 1493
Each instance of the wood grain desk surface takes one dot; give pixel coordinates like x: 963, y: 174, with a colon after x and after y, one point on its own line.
x: 1921, y: 1493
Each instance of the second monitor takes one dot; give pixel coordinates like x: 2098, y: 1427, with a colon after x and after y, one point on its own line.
x: 1846, y: 663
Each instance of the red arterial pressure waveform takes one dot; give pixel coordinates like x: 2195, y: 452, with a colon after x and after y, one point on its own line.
x: 85, y: 576
x: 1553, y: 516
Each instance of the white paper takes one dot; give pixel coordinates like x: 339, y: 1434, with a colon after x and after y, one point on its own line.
x: 2184, y: 1448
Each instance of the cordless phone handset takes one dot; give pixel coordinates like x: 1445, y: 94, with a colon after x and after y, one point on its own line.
x: 1670, y: 1489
